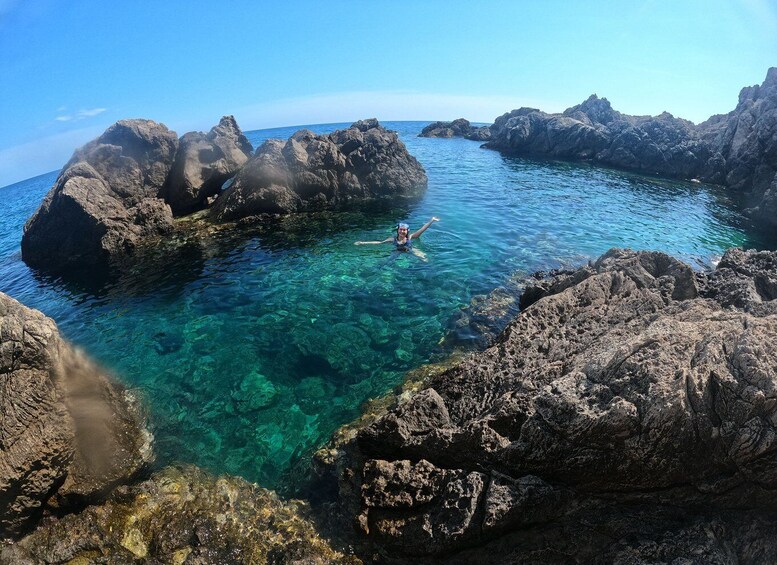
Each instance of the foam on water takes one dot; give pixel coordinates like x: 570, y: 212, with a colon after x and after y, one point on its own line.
x: 251, y: 346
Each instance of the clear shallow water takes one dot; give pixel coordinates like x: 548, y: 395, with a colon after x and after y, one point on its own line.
x: 253, y: 346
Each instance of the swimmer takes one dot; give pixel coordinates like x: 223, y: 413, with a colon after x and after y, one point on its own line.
x: 403, y: 240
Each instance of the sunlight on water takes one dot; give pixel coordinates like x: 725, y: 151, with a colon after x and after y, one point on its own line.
x: 252, y: 346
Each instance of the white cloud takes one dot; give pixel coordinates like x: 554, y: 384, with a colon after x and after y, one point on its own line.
x: 80, y: 115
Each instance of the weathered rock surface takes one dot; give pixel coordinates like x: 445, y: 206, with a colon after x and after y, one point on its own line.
x: 457, y: 128
x: 315, y: 172
x: 106, y: 199
x: 204, y: 162
x: 629, y: 411
x: 738, y: 149
x: 122, y: 190
x: 180, y: 515
x: 67, y: 433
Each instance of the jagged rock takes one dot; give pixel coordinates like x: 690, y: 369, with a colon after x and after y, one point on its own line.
x: 314, y: 172
x: 180, y: 515
x: 203, y: 163
x: 67, y: 432
x: 106, y: 200
x: 456, y: 128
x: 738, y: 149
x: 619, y: 396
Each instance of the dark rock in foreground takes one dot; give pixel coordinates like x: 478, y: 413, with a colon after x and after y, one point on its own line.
x: 180, y: 516
x: 738, y: 149
x: 622, y: 416
x: 456, y: 128
x: 316, y: 172
x: 204, y: 162
x: 67, y: 433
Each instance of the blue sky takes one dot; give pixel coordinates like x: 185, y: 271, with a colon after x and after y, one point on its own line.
x: 70, y: 68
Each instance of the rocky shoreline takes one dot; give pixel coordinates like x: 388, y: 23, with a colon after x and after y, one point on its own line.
x: 737, y: 150
x: 626, y: 414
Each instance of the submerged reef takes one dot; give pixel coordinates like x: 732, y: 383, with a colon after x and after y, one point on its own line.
x: 457, y: 128
x: 738, y: 149
x: 627, y: 413
x: 125, y: 188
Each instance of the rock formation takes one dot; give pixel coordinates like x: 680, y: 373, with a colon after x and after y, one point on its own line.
x: 628, y: 411
x: 106, y: 200
x: 738, y: 149
x: 315, y: 172
x: 457, y: 128
x: 67, y: 432
x: 180, y: 515
x: 204, y: 162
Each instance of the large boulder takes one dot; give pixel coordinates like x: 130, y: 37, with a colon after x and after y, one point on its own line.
x: 106, y: 200
x: 67, y: 432
x: 456, y: 128
x: 738, y: 150
x: 204, y: 162
x: 181, y: 515
x: 624, y: 412
x: 315, y: 172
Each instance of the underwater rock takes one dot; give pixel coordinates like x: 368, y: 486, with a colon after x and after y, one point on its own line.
x: 180, y: 515
x: 738, y: 149
x: 203, y: 163
x: 317, y: 172
x: 620, y: 396
x: 256, y: 392
x: 457, y: 128
x: 106, y: 200
x: 67, y: 432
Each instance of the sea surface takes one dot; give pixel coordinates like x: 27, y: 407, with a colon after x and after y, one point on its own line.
x: 251, y: 346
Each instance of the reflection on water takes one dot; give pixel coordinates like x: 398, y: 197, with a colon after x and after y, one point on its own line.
x: 253, y: 344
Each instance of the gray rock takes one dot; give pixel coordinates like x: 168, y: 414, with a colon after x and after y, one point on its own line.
x: 456, y: 128
x: 738, y: 150
x: 67, y: 432
x: 315, y: 172
x: 203, y: 163
x: 106, y: 200
x: 625, y: 393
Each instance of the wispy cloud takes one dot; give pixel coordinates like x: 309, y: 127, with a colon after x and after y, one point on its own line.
x: 80, y: 115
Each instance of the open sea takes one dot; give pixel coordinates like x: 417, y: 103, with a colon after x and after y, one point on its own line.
x: 251, y: 346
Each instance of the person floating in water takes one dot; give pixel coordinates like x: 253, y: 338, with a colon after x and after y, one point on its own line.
x: 403, y: 240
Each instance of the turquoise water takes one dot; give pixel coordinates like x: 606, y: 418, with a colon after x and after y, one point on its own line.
x: 252, y: 346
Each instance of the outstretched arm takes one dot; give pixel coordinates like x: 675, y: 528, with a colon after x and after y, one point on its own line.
x: 389, y: 240
x: 425, y: 227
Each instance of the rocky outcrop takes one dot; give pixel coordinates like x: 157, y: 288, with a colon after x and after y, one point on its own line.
x: 106, y: 200
x: 181, y: 515
x: 738, y: 149
x: 457, y: 128
x: 628, y: 411
x: 67, y: 432
x: 315, y: 172
x: 123, y: 189
x: 204, y: 162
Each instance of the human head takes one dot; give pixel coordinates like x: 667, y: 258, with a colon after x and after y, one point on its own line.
x: 403, y: 229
